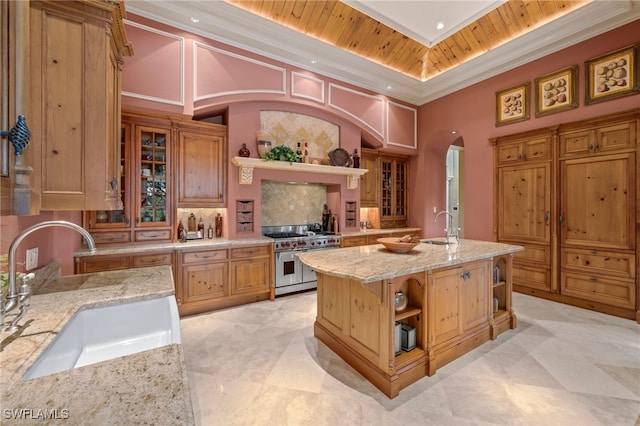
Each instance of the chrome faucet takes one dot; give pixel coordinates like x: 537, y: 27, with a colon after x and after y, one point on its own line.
x: 21, y: 296
x: 449, y: 229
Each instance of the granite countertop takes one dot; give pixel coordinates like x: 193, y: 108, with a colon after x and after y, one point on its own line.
x: 378, y: 231
x: 374, y: 262
x: 131, y: 248
x: 149, y: 387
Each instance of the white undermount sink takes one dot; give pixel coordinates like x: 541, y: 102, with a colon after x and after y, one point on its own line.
x: 99, y: 334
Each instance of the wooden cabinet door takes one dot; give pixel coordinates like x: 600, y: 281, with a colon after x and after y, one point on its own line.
x: 370, y: 181
x: 250, y: 275
x: 202, y: 167
x: 202, y: 282
x: 597, y: 206
x: 75, y: 77
x: 524, y: 202
x: 152, y: 176
x: 394, y: 174
x: 446, y: 316
x: 475, y: 294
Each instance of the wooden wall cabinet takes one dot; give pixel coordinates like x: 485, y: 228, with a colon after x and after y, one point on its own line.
x: 76, y: 50
x: 573, y: 203
x: 370, y: 181
x: 146, y: 212
x: 202, y: 165
x: 386, y: 186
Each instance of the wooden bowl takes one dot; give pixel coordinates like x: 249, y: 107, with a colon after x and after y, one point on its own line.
x: 392, y: 244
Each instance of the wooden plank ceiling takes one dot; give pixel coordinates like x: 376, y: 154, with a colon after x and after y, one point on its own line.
x: 340, y: 25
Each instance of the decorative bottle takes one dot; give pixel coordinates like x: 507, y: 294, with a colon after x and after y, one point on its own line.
x: 305, y: 153
x: 244, y: 151
x: 200, y: 228
x: 180, y: 230
x: 210, y: 231
x: 191, y: 223
x: 218, y: 225
x: 299, y: 153
x: 356, y: 159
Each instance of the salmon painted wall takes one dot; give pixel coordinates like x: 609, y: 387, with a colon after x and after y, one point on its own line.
x: 471, y: 113
x: 52, y: 243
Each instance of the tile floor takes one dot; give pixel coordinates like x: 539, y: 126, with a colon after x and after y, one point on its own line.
x: 259, y: 364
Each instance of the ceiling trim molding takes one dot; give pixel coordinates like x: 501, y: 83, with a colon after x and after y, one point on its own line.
x: 236, y: 27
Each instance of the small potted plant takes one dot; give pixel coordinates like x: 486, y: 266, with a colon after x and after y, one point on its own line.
x: 281, y: 153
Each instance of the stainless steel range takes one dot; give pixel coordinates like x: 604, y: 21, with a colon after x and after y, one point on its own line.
x: 291, y: 274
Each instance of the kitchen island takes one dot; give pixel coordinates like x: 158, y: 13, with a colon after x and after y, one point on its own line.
x: 455, y: 303
x: 148, y: 387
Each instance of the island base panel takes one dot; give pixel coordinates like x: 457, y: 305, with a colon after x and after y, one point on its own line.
x: 390, y: 385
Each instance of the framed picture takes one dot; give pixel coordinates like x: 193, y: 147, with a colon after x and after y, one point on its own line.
x: 612, y: 75
x: 557, y: 91
x: 512, y: 104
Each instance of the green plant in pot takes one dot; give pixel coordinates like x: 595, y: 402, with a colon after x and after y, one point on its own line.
x: 281, y: 153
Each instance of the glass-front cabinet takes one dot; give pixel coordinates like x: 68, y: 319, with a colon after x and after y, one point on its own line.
x: 151, y: 188
x: 145, y: 150
x: 394, y: 172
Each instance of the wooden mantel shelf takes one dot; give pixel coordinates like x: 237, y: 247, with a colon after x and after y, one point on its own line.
x: 247, y: 165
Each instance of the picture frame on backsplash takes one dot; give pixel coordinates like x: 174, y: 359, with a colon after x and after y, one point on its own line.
x: 557, y: 91
x: 612, y: 75
x: 512, y: 104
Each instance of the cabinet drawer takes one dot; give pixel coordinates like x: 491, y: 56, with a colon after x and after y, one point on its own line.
x: 354, y: 241
x: 527, y: 276
x: 111, y: 237
x: 615, y: 292
x: 109, y: 264
x: 244, y: 206
x: 204, y: 256
x: 599, y: 262
x: 162, y: 234
x: 576, y: 143
x: 244, y: 227
x: 254, y: 251
x: 245, y: 216
x: 153, y: 260
x: 508, y: 153
x: 533, y: 254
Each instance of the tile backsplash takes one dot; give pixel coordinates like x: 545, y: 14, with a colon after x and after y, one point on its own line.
x: 286, y: 203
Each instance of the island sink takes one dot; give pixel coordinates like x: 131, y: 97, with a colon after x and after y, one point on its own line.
x: 103, y: 333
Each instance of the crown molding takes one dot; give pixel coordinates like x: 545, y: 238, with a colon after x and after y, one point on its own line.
x: 228, y: 24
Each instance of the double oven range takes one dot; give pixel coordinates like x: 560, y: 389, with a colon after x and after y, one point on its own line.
x: 291, y: 275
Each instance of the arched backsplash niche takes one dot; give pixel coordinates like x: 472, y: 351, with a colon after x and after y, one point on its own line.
x: 289, y: 128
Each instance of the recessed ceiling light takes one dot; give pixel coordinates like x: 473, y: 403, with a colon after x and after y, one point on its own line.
x: 194, y: 20
x: 314, y: 61
x: 440, y: 25
x: 453, y: 132
x: 389, y: 87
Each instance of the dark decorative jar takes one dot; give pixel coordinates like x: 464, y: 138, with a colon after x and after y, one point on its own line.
x: 244, y: 151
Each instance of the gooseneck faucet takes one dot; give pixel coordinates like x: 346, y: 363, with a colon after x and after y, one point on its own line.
x: 16, y: 296
x: 449, y: 229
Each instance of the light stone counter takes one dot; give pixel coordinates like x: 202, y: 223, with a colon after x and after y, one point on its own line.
x: 145, y: 388
x: 378, y: 231
x: 374, y: 262
x: 132, y: 248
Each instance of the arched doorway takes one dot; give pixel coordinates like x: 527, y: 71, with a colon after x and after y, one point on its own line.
x: 454, y: 184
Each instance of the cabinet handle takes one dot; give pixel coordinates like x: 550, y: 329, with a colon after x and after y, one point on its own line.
x: 590, y: 147
x: 597, y: 146
x: 593, y: 279
x: 561, y: 219
x: 126, y: 220
x: 114, y: 184
x: 546, y: 218
x: 465, y: 276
